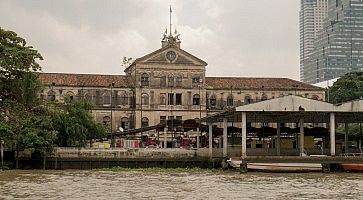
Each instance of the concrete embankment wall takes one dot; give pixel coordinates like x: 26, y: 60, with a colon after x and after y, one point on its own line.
x: 120, y: 153
x: 75, y: 158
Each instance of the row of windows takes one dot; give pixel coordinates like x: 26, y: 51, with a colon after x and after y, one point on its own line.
x: 125, y: 123
x: 164, y: 99
x: 163, y: 118
x: 170, y: 81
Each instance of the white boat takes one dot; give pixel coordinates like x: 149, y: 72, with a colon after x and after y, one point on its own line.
x: 278, y: 167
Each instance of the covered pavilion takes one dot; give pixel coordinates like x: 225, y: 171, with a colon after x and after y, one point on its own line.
x: 288, y: 109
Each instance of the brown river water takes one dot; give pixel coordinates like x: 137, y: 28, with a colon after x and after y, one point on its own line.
x: 177, y: 184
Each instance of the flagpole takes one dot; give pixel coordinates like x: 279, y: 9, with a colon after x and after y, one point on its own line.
x: 170, y: 21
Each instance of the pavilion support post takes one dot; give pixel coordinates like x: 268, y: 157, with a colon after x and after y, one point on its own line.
x: 278, y: 140
x: 165, y: 133
x: 244, y: 135
x: 332, y: 134
x: 346, y: 139
x: 302, y: 136
x: 198, y: 134
x: 210, y: 139
x: 225, y: 137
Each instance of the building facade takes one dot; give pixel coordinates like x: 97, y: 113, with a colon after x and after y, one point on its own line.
x: 338, y: 48
x: 168, y: 83
x: 312, y: 15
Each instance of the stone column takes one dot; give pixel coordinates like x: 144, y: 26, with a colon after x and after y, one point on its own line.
x: 302, y: 136
x: 244, y: 135
x: 346, y: 139
x: 278, y: 141
x: 165, y: 133
x: 210, y: 139
x: 332, y: 134
x: 198, y: 145
x: 225, y: 137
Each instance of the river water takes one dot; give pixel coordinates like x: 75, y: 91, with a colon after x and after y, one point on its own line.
x: 177, y: 184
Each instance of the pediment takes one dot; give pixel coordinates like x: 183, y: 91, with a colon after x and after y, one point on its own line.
x: 171, y: 55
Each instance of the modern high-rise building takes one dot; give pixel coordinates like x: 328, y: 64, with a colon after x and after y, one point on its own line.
x: 338, y: 47
x: 312, y: 15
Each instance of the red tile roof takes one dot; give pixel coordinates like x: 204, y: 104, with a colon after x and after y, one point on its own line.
x: 87, y: 80
x: 258, y: 83
x: 98, y: 80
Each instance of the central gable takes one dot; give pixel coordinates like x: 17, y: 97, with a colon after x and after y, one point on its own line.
x: 170, y: 55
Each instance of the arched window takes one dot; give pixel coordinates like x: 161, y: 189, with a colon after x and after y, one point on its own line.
x: 70, y: 95
x: 124, y: 99
x: 51, y: 95
x: 125, y: 124
x: 144, y: 122
x: 145, y: 99
x: 213, y: 100
x: 315, y: 97
x: 144, y: 79
x: 87, y: 96
x: 230, y: 100
x: 248, y: 99
x: 196, y: 99
x: 106, y: 98
x: 106, y: 120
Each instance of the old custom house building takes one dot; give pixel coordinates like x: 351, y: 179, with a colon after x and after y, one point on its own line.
x: 169, y: 83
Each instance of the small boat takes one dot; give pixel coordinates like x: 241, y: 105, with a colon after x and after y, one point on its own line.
x: 353, y: 167
x: 278, y: 167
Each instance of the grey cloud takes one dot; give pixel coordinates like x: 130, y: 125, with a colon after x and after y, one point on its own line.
x: 244, y: 38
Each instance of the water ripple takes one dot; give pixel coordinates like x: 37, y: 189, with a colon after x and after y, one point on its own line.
x: 135, y: 184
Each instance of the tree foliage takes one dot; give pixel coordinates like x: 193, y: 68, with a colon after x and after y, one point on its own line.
x: 26, y: 122
x: 16, y: 61
x: 76, y: 124
x: 347, y: 88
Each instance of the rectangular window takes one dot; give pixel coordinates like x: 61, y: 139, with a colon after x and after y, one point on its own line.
x: 179, y: 118
x: 162, y: 98
x: 144, y: 81
x: 171, y: 99
x: 196, y: 80
x: 162, y: 119
x: 179, y: 81
x: 171, y: 81
x: 178, y: 99
x: 163, y: 81
x: 170, y: 117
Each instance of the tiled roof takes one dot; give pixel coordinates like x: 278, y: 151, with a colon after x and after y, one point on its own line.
x: 98, y: 80
x: 258, y: 83
x: 86, y: 80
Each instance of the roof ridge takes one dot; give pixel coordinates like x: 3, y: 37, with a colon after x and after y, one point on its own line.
x: 65, y: 73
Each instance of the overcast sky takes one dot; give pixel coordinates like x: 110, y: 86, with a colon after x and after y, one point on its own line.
x: 258, y: 38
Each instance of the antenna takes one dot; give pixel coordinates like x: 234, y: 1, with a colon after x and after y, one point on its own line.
x: 170, y: 20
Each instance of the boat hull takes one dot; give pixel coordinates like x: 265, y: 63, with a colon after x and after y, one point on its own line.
x: 279, y: 167
x: 353, y: 167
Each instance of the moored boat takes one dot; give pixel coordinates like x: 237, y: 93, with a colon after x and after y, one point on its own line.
x: 278, y: 167
x: 353, y: 167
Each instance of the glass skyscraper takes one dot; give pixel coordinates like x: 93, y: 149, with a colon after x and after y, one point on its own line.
x: 338, y: 47
x: 312, y: 15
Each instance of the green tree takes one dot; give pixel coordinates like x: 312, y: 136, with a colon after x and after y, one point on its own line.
x: 347, y: 88
x: 76, y: 124
x: 16, y: 61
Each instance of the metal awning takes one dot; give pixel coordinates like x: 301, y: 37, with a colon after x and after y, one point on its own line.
x: 290, y: 109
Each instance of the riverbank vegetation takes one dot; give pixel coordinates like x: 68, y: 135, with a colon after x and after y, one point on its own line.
x: 28, y: 122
